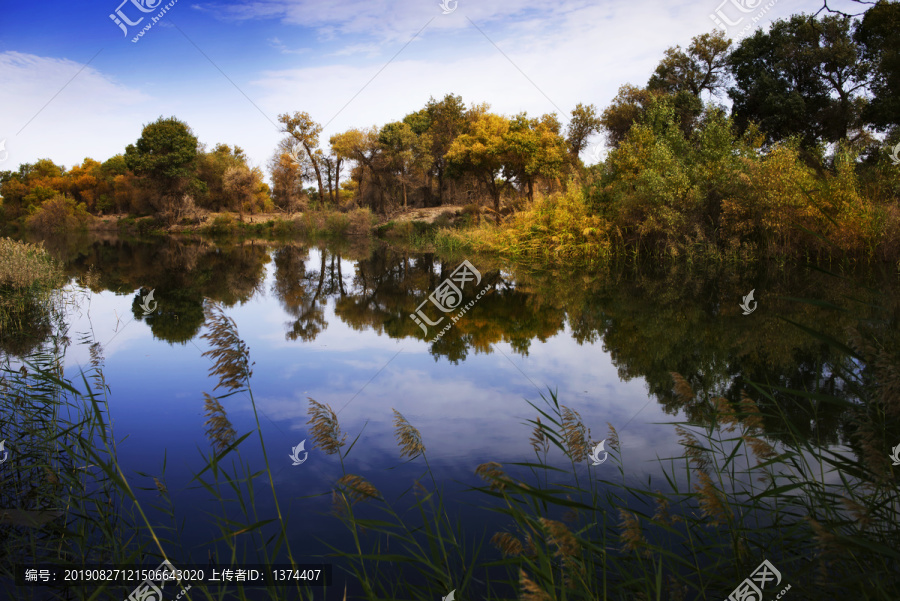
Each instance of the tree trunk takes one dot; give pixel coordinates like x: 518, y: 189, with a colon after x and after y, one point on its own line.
x: 337, y: 180
x: 315, y: 165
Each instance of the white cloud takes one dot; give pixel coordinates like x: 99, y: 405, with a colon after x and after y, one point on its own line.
x: 63, y: 110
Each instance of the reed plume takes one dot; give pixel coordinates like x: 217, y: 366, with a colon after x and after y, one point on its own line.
x: 531, y: 591
x: 325, y: 431
x: 231, y: 356
x: 506, y: 543
x: 612, y: 438
x: 493, y: 473
x: 683, y: 391
x: 711, y: 504
x: 859, y: 512
x: 724, y: 414
x: 884, y: 366
x: 219, y: 431
x: 760, y: 448
x: 357, y: 488
x: 632, y: 537
x: 567, y: 549
x: 751, y: 417
x: 574, y: 434
x: 539, y: 441
x: 692, y: 449
x: 408, y: 437
x: 662, y: 513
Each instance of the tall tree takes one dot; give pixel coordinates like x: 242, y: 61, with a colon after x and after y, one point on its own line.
x: 625, y: 109
x: 878, y: 35
x: 446, y: 121
x: 584, y: 123
x: 703, y: 67
x: 534, y: 149
x: 165, y: 155
x: 484, y: 153
x: 240, y: 186
x: 362, y: 146
x: 802, y: 78
x: 306, y: 132
x: 404, y: 151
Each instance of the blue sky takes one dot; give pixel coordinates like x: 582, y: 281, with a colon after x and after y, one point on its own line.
x: 75, y: 86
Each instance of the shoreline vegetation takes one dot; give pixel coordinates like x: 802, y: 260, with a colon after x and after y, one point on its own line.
x: 803, y: 165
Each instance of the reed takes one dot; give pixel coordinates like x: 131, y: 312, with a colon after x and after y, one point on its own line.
x: 733, y: 495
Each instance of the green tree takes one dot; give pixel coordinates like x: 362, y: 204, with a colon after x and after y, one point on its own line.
x: 703, y: 67
x: 446, y: 120
x: 584, y: 123
x: 165, y: 156
x: 625, y: 109
x: 211, y: 168
x: 801, y: 78
x: 405, y: 151
x: 879, y: 37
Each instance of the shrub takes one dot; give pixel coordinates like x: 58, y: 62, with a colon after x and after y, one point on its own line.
x: 149, y: 225
x: 57, y: 215
x: 360, y: 222
x: 221, y: 225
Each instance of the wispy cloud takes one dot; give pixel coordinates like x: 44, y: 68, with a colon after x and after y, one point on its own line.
x: 284, y: 49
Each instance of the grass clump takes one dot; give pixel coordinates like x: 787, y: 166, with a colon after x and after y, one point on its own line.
x: 29, y: 278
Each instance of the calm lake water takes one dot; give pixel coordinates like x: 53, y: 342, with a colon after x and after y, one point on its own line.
x: 332, y: 323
